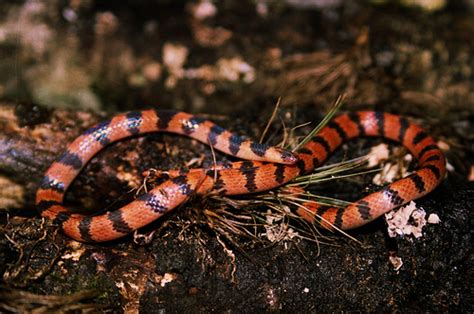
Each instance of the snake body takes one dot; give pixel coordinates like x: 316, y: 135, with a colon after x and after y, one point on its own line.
x: 266, y: 168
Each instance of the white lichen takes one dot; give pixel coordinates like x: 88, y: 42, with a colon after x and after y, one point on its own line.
x: 433, y: 219
x: 276, y: 228
x: 377, y: 154
x: 406, y: 220
x: 396, y: 262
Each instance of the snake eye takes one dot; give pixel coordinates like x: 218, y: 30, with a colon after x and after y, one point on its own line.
x: 288, y: 157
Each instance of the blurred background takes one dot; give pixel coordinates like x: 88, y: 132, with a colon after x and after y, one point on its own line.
x: 407, y: 56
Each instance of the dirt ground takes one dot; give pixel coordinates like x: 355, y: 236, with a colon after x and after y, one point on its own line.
x: 66, y: 65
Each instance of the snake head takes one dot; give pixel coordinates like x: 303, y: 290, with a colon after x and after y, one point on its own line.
x: 287, y: 157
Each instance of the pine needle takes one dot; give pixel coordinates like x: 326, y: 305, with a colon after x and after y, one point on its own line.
x: 335, y: 107
x: 275, y: 110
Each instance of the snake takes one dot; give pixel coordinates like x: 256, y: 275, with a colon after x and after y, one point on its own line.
x: 264, y: 168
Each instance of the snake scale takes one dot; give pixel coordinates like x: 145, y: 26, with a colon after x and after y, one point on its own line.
x: 265, y: 168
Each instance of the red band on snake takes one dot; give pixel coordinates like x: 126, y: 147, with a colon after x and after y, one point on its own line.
x: 266, y: 168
